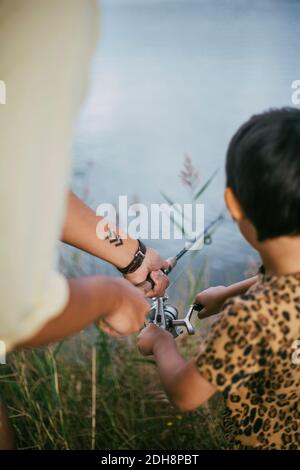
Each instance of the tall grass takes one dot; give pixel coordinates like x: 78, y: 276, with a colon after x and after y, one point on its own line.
x: 106, y: 397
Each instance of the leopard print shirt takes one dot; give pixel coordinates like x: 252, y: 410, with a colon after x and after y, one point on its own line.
x: 250, y: 356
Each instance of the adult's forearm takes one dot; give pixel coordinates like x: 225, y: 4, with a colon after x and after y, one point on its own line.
x: 79, y: 230
x: 89, y: 299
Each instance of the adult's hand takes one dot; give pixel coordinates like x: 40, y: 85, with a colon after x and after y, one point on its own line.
x: 128, y: 312
x: 152, y: 266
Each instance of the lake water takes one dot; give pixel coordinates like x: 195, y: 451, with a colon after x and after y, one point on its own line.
x: 178, y: 77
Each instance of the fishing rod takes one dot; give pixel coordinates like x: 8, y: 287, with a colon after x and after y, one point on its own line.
x: 165, y: 315
x: 206, y: 238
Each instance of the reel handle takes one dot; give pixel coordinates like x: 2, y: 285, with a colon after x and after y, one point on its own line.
x: 198, y: 307
x: 186, y: 321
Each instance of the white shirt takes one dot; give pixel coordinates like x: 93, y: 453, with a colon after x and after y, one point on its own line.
x: 45, y: 50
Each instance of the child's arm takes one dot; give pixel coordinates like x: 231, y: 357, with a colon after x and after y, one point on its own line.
x: 183, y: 384
x: 214, y: 298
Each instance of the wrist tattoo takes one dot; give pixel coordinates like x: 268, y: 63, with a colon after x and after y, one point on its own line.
x: 113, y: 238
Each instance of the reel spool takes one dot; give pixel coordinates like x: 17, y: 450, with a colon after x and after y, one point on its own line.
x: 166, y: 316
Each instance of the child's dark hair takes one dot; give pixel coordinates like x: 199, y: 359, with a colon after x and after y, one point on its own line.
x: 263, y: 171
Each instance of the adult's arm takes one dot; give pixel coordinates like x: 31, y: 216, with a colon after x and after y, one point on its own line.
x: 81, y: 229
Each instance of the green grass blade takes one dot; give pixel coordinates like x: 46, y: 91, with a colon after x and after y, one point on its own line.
x: 205, y: 186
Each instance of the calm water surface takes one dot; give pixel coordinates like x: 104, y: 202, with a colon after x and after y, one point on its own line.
x: 175, y: 77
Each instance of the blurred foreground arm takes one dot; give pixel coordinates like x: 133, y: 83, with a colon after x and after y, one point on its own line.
x: 119, y: 305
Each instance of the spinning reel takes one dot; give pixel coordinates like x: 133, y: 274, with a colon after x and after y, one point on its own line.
x: 166, y: 316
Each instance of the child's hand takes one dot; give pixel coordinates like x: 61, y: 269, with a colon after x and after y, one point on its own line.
x: 150, y: 337
x: 212, y: 300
